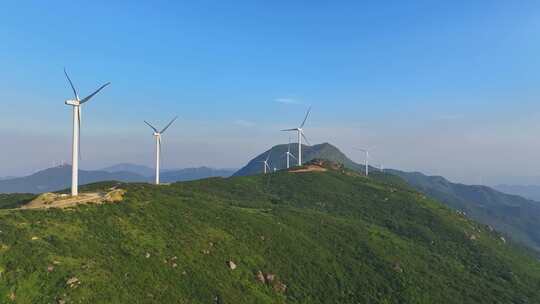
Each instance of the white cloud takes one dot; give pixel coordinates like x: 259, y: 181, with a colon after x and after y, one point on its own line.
x: 287, y: 100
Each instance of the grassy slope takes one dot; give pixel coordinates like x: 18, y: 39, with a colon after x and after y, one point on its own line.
x: 8, y: 201
x: 519, y: 218
x: 335, y: 239
x: 516, y: 216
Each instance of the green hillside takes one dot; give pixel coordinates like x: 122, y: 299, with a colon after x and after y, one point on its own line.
x: 8, y: 201
x: 517, y: 217
x: 316, y: 237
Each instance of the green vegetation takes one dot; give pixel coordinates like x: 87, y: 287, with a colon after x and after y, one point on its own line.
x: 515, y: 216
x: 8, y: 201
x: 330, y: 237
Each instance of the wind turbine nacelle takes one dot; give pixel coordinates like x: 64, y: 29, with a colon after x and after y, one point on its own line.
x: 71, y: 102
x: 156, y: 134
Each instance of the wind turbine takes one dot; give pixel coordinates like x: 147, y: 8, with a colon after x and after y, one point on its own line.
x: 366, y: 161
x: 265, y: 163
x: 288, y: 154
x: 157, y: 135
x: 300, y: 136
x: 76, y: 144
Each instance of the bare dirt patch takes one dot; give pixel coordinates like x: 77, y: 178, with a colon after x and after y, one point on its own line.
x: 309, y: 168
x: 54, y: 200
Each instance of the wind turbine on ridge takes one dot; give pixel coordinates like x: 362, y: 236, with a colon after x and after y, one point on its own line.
x: 288, y: 154
x: 76, y: 103
x: 301, y: 135
x: 157, y: 135
x: 265, y: 163
x: 366, y: 161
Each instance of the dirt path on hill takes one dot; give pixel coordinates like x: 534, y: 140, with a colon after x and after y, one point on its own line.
x: 309, y: 168
x: 53, y: 200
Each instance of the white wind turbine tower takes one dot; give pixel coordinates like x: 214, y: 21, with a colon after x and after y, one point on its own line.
x: 265, y: 163
x: 288, y: 154
x: 300, y: 135
x: 76, y: 104
x: 366, y: 161
x: 157, y: 135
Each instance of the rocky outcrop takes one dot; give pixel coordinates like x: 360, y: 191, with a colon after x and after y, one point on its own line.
x: 231, y: 265
x: 272, y: 280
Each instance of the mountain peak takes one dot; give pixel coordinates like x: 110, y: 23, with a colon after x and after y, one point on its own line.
x: 278, y: 158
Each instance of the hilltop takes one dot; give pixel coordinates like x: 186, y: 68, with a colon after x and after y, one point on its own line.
x: 517, y: 217
x: 321, y: 236
x: 277, y: 159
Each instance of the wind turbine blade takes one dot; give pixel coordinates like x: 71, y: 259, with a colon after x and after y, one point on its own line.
x: 307, y: 114
x: 292, y: 155
x: 72, y: 86
x: 168, y: 125
x: 289, y: 146
x: 305, y: 138
x: 268, y: 156
x: 155, y: 130
x: 87, y: 98
x: 290, y: 129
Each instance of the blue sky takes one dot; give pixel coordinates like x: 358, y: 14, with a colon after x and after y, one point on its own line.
x: 445, y: 88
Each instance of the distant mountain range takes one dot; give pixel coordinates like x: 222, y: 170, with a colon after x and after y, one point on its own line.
x: 59, y: 178
x: 171, y: 175
x: 528, y: 191
x: 133, y: 168
x: 514, y: 215
x: 188, y: 174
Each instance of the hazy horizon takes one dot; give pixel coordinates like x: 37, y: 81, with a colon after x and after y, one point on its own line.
x: 445, y: 89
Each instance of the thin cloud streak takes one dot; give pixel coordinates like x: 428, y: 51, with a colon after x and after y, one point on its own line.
x: 287, y: 100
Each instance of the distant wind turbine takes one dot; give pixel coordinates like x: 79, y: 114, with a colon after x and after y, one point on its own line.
x: 366, y: 161
x: 76, y: 144
x: 157, y: 135
x: 301, y: 135
x: 265, y: 163
x: 288, y: 154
